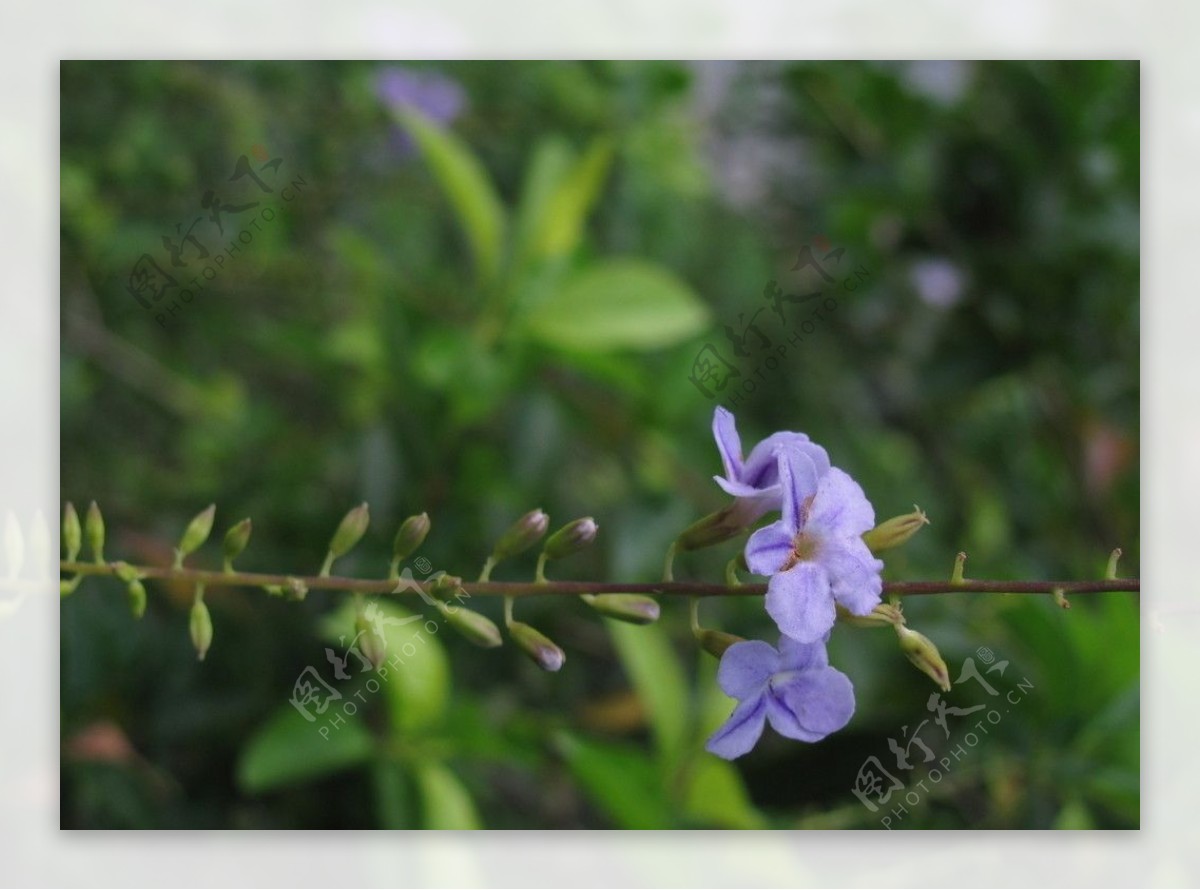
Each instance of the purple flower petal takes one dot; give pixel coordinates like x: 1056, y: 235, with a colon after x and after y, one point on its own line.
x: 761, y: 467
x: 741, y: 731
x: 769, y: 548
x: 840, y: 508
x: 797, y: 656
x: 812, y: 705
x: 742, y: 490
x: 746, y: 667
x: 728, y: 443
x: 801, y: 602
x: 854, y: 574
x: 799, y: 479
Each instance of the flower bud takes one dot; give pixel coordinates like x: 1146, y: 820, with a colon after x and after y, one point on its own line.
x: 521, y: 535
x: 200, y: 626
x: 370, y: 644
x: 883, y: 615
x: 137, y: 597
x: 197, y: 531
x: 895, y: 531
x: 353, y: 526
x: 571, y: 537
x: 919, y: 649
x: 93, y: 530
x: 715, y: 642
x: 72, y: 535
x: 478, y: 629
x: 537, y: 646
x: 411, y: 535
x: 125, y: 571
x: 715, y: 528
x: 235, y: 542
x: 631, y: 607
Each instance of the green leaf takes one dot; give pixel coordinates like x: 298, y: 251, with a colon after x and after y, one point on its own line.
x: 445, y: 802
x: 392, y: 796
x: 559, y: 195
x: 653, y: 668
x: 618, y: 304
x: 289, y: 749
x: 715, y: 793
x: 466, y: 185
x: 620, y: 779
x: 416, y: 685
x: 717, y: 796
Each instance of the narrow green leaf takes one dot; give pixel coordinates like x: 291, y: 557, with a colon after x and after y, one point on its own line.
x: 446, y: 803
x: 560, y: 194
x: 467, y: 187
x: 657, y: 677
x: 288, y: 750
x: 618, y: 304
x: 620, y: 779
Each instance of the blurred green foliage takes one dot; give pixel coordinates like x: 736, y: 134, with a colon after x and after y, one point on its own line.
x: 480, y: 317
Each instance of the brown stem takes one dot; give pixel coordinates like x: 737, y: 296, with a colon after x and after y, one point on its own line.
x: 574, y: 588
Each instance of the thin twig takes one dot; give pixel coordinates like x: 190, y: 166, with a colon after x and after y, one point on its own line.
x: 574, y: 588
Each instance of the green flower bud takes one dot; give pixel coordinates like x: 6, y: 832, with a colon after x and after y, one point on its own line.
x: 411, y: 535
x: 895, y: 531
x: 919, y: 649
x: 631, y: 607
x: 125, y: 571
x: 478, y: 629
x: 521, y: 535
x: 235, y: 542
x: 537, y: 646
x: 353, y: 526
x: 571, y: 537
x: 93, y: 530
x: 715, y: 528
x: 137, y: 598
x: 1060, y: 598
x: 715, y: 642
x: 370, y: 644
x: 72, y: 535
x: 197, y: 531
x: 200, y: 626
x: 883, y: 615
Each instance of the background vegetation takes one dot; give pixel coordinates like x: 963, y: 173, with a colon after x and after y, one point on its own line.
x: 486, y: 295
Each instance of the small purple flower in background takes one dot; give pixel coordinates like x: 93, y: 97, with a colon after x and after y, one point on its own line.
x: 434, y: 95
x: 793, y: 688
x: 756, y: 480
x: 815, y: 553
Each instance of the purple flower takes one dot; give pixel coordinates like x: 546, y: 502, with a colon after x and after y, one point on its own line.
x: 433, y: 95
x: 793, y: 688
x: 756, y: 479
x: 815, y: 553
x: 436, y: 96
